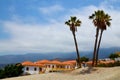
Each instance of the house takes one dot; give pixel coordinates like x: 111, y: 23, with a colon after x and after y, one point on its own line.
x: 117, y: 59
x: 32, y: 68
x: 45, y: 66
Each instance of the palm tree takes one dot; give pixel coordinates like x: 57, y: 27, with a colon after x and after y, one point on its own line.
x: 105, y: 21
x: 100, y: 20
x: 73, y: 23
x: 94, y: 17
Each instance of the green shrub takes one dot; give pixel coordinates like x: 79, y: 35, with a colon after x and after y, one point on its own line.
x: 11, y: 71
x: 113, y: 56
x: 85, y: 59
x: 2, y: 74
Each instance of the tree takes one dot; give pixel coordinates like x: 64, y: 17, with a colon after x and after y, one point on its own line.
x: 113, y: 56
x: 93, y: 16
x: 104, y: 22
x: 12, y: 70
x: 73, y: 23
x: 84, y: 59
x: 101, y: 21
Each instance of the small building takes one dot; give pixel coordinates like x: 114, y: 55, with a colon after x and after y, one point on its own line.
x: 117, y: 59
x: 45, y: 66
x: 32, y: 68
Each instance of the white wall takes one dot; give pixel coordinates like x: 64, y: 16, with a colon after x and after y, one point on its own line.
x: 51, y: 66
x: 117, y: 59
x: 31, y: 70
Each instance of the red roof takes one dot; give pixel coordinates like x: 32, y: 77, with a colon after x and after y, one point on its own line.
x: 106, y: 62
x: 42, y: 62
x: 28, y: 63
x: 71, y: 61
x: 55, y: 62
x: 66, y: 63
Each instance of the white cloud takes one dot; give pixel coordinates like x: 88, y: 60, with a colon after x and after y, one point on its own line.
x: 36, y: 38
x: 110, y: 4
x: 56, y: 36
x: 51, y: 9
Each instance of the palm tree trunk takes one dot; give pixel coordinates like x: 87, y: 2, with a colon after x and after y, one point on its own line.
x: 95, y: 46
x: 78, y: 56
x: 98, y: 46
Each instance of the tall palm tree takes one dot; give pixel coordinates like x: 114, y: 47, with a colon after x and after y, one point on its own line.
x: 105, y: 21
x: 100, y: 20
x: 73, y: 23
x: 94, y: 17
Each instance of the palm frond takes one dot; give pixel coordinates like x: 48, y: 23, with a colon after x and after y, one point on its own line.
x: 100, y: 19
x: 73, y: 23
x: 73, y: 19
x: 67, y: 23
x: 108, y: 23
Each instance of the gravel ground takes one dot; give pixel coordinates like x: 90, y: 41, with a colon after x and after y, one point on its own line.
x: 79, y: 74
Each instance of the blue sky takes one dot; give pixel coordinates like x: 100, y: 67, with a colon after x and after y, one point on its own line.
x: 37, y: 26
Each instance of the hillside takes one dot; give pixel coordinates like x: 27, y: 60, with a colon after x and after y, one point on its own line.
x: 8, y: 59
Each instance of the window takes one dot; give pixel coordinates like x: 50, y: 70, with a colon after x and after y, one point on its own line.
x: 48, y: 66
x: 40, y: 69
x: 27, y: 68
x: 35, y: 69
x: 68, y: 66
x: 52, y: 66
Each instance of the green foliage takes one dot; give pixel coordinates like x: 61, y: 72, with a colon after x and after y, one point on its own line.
x: 2, y: 74
x: 11, y: 71
x: 73, y: 23
x: 85, y: 59
x: 101, y: 19
x: 112, y: 56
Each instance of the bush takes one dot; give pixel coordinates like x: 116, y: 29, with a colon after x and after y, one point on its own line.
x: 11, y: 71
x: 85, y: 59
x: 113, y: 56
x: 2, y: 74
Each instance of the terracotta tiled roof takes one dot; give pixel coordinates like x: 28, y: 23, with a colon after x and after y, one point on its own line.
x: 67, y: 63
x: 71, y: 61
x: 55, y: 62
x: 42, y: 62
x: 28, y: 63
x: 106, y: 62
